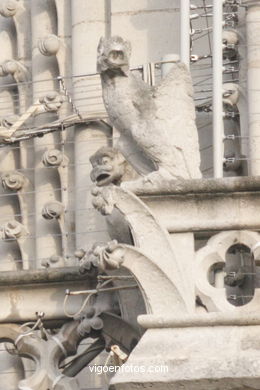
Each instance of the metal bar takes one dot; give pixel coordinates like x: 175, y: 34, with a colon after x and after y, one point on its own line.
x: 95, y: 291
x: 218, y: 126
x: 85, y: 358
x: 185, y: 31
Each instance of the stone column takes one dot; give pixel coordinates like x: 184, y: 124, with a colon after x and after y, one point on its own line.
x: 10, y: 366
x: 46, y: 180
x: 253, y: 83
x: 89, y: 23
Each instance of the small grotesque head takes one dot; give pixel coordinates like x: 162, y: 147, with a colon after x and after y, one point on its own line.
x: 108, y: 166
x: 113, y: 54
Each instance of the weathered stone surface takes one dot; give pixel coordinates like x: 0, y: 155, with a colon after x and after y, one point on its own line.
x: 209, y: 204
x: 207, y: 358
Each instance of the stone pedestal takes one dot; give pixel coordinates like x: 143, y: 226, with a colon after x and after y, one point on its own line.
x: 194, y: 358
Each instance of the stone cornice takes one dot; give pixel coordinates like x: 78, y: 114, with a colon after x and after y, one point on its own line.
x: 41, y: 276
x: 204, y: 205
x: 149, y: 321
x: 200, y: 186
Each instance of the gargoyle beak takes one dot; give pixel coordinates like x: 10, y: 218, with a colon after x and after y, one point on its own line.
x: 100, y: 177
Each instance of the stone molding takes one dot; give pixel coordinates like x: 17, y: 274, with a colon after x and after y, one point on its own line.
x: 204, y: 205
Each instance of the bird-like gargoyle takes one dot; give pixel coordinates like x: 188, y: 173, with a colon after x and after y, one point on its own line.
x: 159, y: 120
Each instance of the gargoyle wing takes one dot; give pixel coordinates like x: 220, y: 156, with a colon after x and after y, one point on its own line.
x: 175, y: 115
x: 173, y: 97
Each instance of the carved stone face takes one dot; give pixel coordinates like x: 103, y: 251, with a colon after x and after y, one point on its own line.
x: 113, y: 54
x: 108, y: 167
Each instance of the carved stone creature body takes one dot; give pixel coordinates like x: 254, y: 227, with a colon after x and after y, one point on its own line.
x: 160, y: 120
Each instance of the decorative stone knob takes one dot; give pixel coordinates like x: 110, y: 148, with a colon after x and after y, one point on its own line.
x: 8, y: 67
x: 52, y: 210
x: 8, y: 8
x: 45, y: 263
x: 230, y: 37
x: 14, y: 68
x: 230, y: 94
x: 56, y: 259
x: 52, y: 101
x: 52, y: 158
x: 12, y: 229
x: 13, y: 180
x: 79, y: 253
x: 232, y: 162
x: 49, y: 45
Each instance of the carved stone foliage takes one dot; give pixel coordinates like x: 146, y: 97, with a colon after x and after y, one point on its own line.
x: 14, y: 68
x: 102, y: 256
x: 110, y: 167
x: 52, y: 101
x: 159, y: 120
x: 90, y: 321
x: 225, y: 270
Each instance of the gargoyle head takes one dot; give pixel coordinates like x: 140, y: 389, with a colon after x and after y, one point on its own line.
x: 108, y: 166
x: 113, y: 54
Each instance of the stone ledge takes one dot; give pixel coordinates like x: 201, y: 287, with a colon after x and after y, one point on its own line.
x: 205, y: 204
x: 200, y: 186
x: 41, y: 276
x: 150, y: 321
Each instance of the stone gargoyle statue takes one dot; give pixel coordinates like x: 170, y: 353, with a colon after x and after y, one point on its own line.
x: 159, y: 120
x: 110, y: 167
